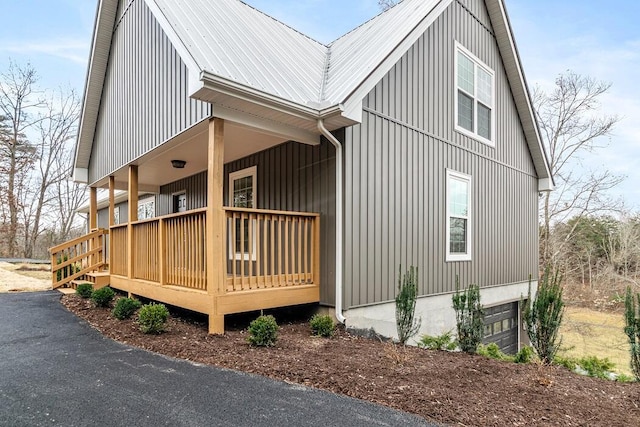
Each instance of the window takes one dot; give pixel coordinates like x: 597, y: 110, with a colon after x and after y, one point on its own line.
x: 179, y: 201
x: 474, y: 97
x: 146, y: 208
x: 116, y: 215
x: 242, y: 194
x: 458, y: 216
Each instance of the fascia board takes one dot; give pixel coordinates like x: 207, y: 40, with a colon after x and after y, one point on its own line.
x: 517, y: 81
x: 94, y: 80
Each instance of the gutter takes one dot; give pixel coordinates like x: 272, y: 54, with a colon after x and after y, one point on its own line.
x: 339, y: 217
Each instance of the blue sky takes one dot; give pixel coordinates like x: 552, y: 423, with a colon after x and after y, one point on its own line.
x: 552, y: 36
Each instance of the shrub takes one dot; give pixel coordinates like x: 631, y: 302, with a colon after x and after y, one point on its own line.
x: 125, y: 307
x: 525, y: 355
x: 440, y: 342
x: 596, y: 367
x: 322, y: 325
x: 568, y: 362
x: 102, y: 297
x: 623, y: 378
x: 84, y: 290
x: 543, y: 315
x: 152, y: 318
x: 406, y: 323
x: 469, y: 317
x: 632, y: 330
x: 493, y: 351
x: 263, y: 331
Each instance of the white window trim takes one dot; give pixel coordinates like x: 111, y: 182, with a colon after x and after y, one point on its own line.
x: 116, y: 215
x: 252, y: 172
x: 146, y: 200
x: 177, y: 193
x: 478, y: 63
x: 458, y: 257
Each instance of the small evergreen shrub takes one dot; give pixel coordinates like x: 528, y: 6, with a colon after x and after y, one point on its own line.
x: 406, y: 323
x: 469, y: 317
x: 525, y: 355
x: 492, y: 351
x: 440, y: 342
x: 632, y: 329
x: 543, y: 315
x: 568, y: 362
x: 84, y: 290
x: 322, y: 325
x: 152, y: 318
x: 125, y: 307
x: 102, y: 297
x: 596, y: 367
x: 263, y: 331
x: 623, y: 378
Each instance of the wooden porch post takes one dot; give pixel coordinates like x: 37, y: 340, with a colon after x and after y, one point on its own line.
x: 93, y: 221
x: 133, y: 216
x: 112, y: 200
x: 112, y: 208
x: 215, y: 223
x: 93, y: 208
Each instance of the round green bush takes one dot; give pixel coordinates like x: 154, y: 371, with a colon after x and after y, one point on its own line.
x: 102, y: 297
x: 322, y: 325
x: 263, y: 331
x: 125, y: 307
x: 84, y: 290
x: 525, y: 355
x: 152, y: 318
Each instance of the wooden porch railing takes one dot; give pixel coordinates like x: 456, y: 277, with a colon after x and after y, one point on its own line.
x: 265, y: 249
x: 268, y: 249
x: 77, y: 257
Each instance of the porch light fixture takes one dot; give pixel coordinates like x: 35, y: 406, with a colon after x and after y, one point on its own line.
x: 178, y: 164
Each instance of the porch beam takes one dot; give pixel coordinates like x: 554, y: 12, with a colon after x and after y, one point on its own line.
x: 132, y: 216
x: 215, y: 225
x: 145, y: 188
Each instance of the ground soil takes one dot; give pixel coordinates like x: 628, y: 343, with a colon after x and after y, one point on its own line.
x: 444, y: 387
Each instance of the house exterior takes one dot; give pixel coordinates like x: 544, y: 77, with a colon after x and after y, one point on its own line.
x: 309, y: 173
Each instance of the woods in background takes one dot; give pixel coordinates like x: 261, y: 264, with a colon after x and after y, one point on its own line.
x: 38, y: 201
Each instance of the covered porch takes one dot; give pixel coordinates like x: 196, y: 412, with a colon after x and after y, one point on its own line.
x: 217, y: 259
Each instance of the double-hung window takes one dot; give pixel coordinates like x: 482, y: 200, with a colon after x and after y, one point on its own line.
x: 242, y: 194
x: 475, y: 94
x: 458, y: 216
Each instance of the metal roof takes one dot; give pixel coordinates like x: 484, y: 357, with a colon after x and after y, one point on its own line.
x: 232, y: 40
x: 245, y: 60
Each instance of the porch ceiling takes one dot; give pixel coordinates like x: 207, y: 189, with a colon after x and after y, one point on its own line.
x: 155, y: 170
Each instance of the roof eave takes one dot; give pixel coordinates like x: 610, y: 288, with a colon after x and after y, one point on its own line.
x: 94, y: 81
x: 522, y: 96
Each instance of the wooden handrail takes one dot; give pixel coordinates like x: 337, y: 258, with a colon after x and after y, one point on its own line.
x: 271, y: 212
x: 77, y: 257
x: 61, y: 246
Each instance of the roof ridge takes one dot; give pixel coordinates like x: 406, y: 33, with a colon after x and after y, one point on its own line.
x: 365, y: 23
x: 325, y: 74
x: 283, y: 24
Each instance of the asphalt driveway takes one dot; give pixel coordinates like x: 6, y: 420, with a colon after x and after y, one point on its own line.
x: 56, y: 370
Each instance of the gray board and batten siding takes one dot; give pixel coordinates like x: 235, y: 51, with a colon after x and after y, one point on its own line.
x: 395, y: 173
x: 145, y: 99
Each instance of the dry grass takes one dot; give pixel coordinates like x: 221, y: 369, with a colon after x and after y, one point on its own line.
x: 587, y: 332
x: 36, y: 271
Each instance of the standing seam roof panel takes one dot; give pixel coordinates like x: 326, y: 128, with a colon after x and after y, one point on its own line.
x: 283, y: 62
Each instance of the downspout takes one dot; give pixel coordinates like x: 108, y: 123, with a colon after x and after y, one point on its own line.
x: 339, y: 242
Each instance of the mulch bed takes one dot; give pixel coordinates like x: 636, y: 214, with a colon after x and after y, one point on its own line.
x: 443, y: 387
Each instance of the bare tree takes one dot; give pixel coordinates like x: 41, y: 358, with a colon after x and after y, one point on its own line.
x: 55, y: 133
x: 18, y: 99
x: 572, y: 126
x: 387, y: 4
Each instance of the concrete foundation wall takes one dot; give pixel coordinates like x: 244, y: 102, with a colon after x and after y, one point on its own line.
x: 436, y: 312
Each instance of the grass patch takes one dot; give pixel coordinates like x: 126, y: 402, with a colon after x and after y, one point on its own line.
x: 588, y: 332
